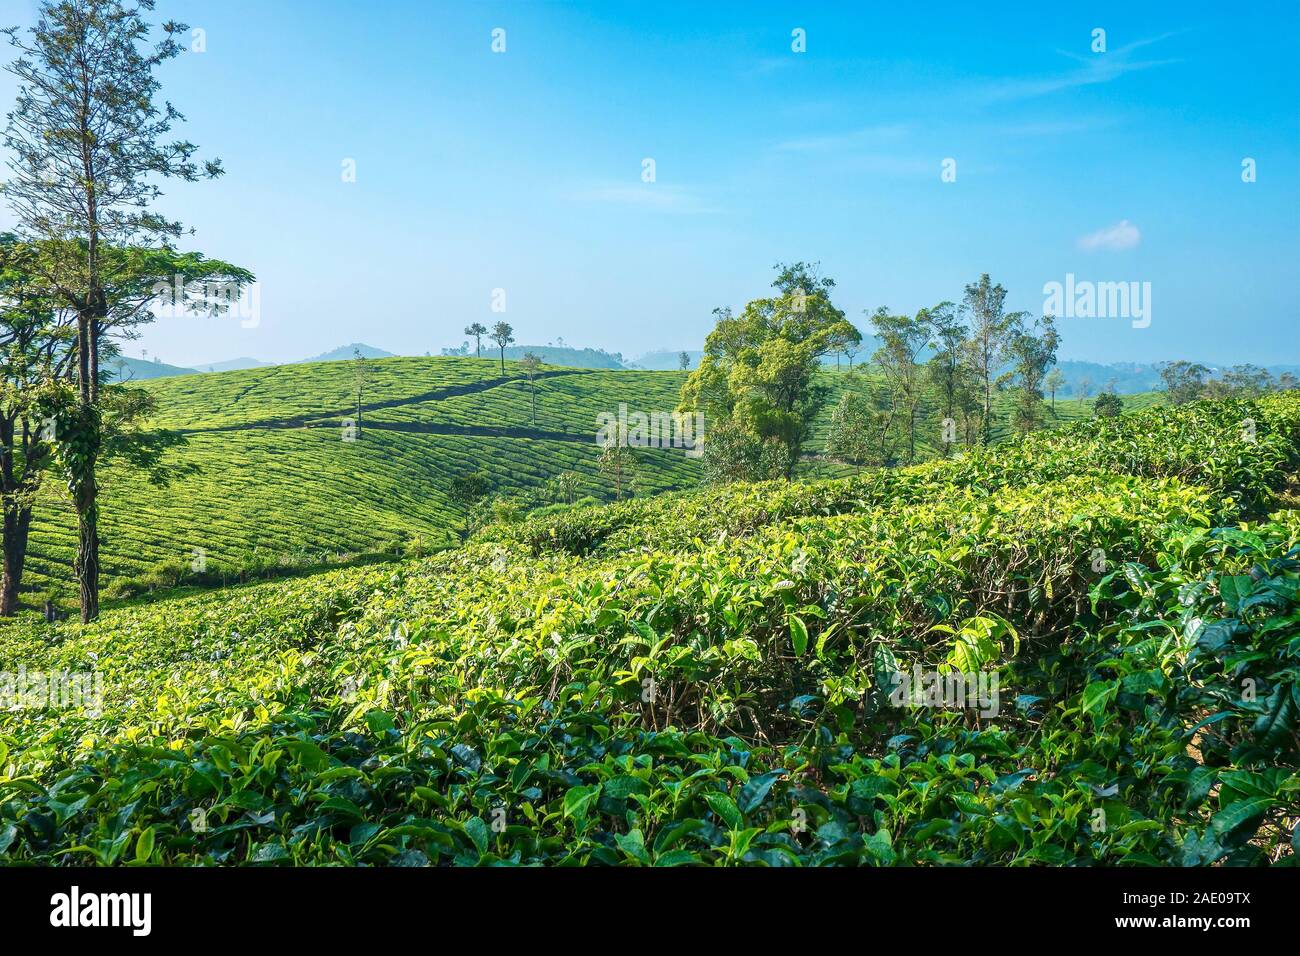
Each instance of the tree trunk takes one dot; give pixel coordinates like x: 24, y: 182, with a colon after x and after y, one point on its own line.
x: 17, y: 522
x: 87, y: 561
x: 85, y: 493
x: 911, y: 433
x: 986, y: 426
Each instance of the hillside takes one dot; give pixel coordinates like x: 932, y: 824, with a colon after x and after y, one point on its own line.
x: 344, y: 352
x: 231, y: 365
x: 273, y: 478
x: 722, y: 678
x: 265, y: 477
x: 125, y: 368
x: 563, y: 356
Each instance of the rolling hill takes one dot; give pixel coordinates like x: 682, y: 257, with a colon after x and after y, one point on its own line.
x: 721, y: 678
x: 265, y: 476
x: 272, y: 475
x: 125, y: 368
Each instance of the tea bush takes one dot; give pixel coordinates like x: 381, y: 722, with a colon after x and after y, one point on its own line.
x: 1238, y: 450
x: 706, y: 680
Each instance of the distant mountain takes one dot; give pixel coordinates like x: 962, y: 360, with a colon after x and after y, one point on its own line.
x: 232, y: 365
x: 127, y: 369
x: 1132, y: 377
x: 1128, y: 377
x: 345, y: 352
x: 563, y: 355
x: 665, y: 360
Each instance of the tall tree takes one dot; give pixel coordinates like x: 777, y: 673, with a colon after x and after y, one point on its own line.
x: 87, y: 148
x: 684, y: 361
x: 902, y: 340
x: 476, y: 331
x: 1184, y: 381
x: 503, y: 334
x: 34, y: 349
x: 38, y: 332
x: 992, y: 330
x: 617, y: 460
x: 949, y: 376
x: 1054, y: 382
x: 531, y: 365
x: 757, y: 374
x: 1247, y: 381
x: 1032, y: 350
x: 360, y: 374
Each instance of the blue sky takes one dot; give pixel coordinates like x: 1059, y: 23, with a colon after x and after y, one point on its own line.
x: 523, y: 170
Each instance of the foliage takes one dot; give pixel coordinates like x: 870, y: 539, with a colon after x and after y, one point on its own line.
x: 715, y: 694
x: 1108, y: 405
x: 1184, y: 381
x: 758, y: 371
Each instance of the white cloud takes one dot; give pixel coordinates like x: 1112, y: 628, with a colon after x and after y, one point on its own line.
x: 1122, y: 235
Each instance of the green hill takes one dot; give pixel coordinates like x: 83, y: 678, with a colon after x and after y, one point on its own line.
x: 274, y: 478
x: 127, y: 369
x: 266, y: 479
x: 724, y: 678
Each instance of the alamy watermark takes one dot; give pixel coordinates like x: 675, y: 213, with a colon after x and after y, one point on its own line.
x: 179, y: 299
x: 1084, y: 299
x: 684, y: 430
x: 954, y: 690
x: 57, y: 690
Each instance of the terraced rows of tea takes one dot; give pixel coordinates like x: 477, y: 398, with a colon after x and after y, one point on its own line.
x: 272, y: 474
x: 265, y: 472
x: 713, y: 678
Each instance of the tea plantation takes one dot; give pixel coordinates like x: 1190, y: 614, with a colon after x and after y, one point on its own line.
x: 265, y: 480
x: 706, y: 678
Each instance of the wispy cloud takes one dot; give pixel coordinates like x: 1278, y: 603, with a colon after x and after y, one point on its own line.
x: 852, y: 139
x: 1093, y: 68
x: 1122, y: 235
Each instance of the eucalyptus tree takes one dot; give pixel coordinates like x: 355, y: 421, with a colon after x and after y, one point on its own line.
x: 992, y: 332
x: 88, y: 145
x: 476, y: 331
x: 618, y: 461
x: 503, y: 334
x: 1184, y: 381
x: 1032, y: 350
x: 902, y: 340
x: 360, y: 375
x: 949, y: 375
x: 531, y: 366
x: 1054, y: 382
